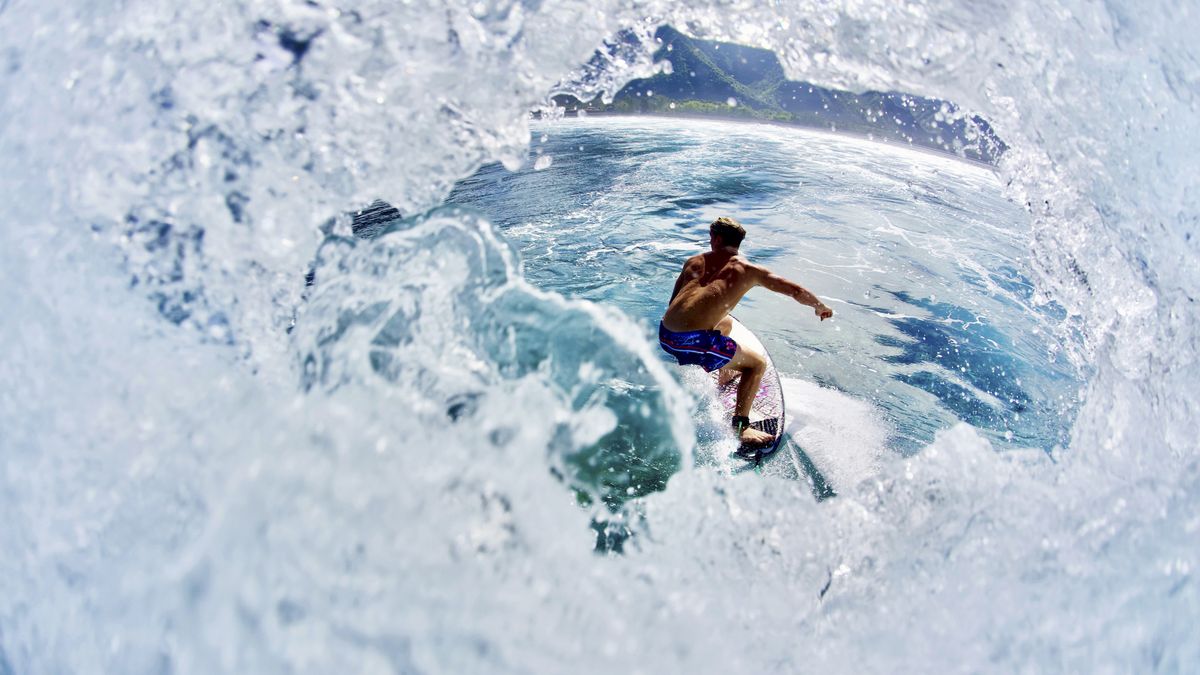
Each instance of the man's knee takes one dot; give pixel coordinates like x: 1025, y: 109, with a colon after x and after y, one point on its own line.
x: 751, y: 362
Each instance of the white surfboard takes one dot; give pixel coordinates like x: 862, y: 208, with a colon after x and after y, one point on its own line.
x: 767, y: 413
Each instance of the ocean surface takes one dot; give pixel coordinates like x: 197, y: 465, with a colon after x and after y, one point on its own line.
x: 235, y: 437
x: 923, y: 259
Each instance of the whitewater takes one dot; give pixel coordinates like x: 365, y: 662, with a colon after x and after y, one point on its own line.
x: 208, y: 466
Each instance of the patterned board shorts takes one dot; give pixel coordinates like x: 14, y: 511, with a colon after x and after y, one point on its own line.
x: 705, y: 348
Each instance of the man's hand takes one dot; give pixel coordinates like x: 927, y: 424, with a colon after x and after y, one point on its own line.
x: 823, y: 312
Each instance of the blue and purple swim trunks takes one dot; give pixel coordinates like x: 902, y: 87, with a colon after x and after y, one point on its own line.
x: 705, y: 348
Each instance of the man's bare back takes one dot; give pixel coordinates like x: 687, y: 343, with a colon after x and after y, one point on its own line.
x: 712, y: 283
x: 708, y: 288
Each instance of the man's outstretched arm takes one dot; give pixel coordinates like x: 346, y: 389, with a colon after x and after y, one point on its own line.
x: 773, y: 282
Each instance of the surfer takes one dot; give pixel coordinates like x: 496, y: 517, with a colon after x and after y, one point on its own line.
x: 695, y: 329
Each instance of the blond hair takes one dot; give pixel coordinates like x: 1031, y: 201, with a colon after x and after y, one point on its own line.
x: 728, y: 230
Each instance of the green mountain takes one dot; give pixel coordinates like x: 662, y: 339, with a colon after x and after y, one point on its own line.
x: 727, y: 80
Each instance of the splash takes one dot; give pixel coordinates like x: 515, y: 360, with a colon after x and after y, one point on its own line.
x: 193, y: 488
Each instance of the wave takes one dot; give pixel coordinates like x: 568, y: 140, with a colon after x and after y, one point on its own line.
x: 410, y: 479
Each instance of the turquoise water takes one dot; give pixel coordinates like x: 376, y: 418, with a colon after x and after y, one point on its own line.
x: 923, y: 259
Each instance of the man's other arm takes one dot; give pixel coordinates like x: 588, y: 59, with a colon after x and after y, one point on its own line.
x: 684, y: 275
x: 678, y: 285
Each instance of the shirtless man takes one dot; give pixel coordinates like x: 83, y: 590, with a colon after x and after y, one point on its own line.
x: 695, y: 328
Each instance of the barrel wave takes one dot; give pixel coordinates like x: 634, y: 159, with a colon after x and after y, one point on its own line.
x: 236, y: 436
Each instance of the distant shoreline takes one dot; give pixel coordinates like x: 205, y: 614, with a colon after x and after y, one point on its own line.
x: 745, y: 119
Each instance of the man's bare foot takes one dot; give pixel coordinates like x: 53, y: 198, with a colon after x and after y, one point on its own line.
x: 754, y: 438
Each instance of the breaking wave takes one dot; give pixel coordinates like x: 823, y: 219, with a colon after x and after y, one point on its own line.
x: 208, y: 466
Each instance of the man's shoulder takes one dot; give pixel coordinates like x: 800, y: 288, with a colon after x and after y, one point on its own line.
x: 744, y: 263
x: 749, y: 269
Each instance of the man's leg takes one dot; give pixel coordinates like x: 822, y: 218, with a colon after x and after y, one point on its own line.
x: 752, y: 366
x: 726, y: 373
